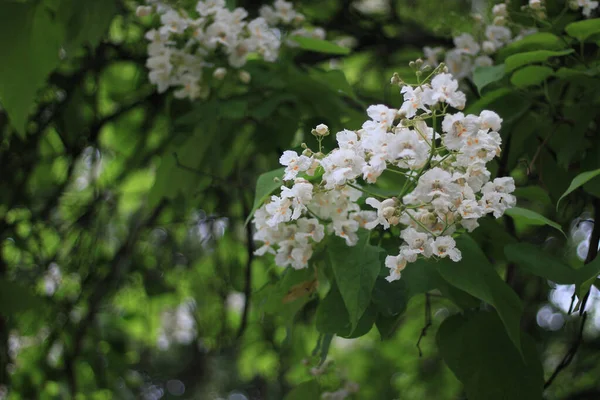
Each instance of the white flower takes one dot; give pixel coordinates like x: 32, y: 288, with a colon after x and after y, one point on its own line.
x: 209, y: 7
x: 396, y: 264
x: 340, y: 166
x: 418, y: 241
x: 311, y: 228
x: 499, y: 10
x: 301, y: 195
x: 489, y: 120
x: 382, y: 208
x: 499, y: 35
x: 483, y: 61
x: 294, y: 164
x: 431, y: 55
x: 488, y: 47
x: 466, y: 44
x: 143, y: 11
x: 459, y: 64
x: 445, y: 246
x: 279, y: 210
x: 444, y: 88
x: 347, y: 229
x: 458, y: 128
x: 413, y: 101
x: 347, y: 139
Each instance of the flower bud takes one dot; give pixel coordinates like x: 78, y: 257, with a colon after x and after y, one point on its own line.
x: 396, y: 80
x: 244, y: 76
x: 220, y: 73
x: 499, y: 21
x: 418, y: 62
x: 321, y: 130
x: 388, y: 212
x: 488, y: 47
x: 143, y: 11
x: 412, y: 64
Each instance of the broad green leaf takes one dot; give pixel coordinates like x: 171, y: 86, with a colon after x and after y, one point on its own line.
x: 319, y: 45
x: 537, y: 41
x: 540, y: 263
x: 532, y: 57
x: 332, y: 317
x: 509, y: 104
x: 282, y: 298
x: 582, y: 30
x: 475, y: 275
x: 86, y: 21
x: 336, y: 80
x: 268, y: 106
x: 529, y: 217
x: 181, y: 166
x: 390, y: 298
x: 305, y: 390
x: 483, y: 76
x: 356, y: 269
x: 480, y: 354
x: 531, y: 75
x: 266, y: 184
x: 28, y: 57
x: 577, y: 182
x: 16, y: 299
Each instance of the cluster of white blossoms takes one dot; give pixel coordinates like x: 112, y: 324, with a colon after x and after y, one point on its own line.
x: 587, y: 6
x: 447, y: 185
x: 472, y: 51
x: 214, y: 39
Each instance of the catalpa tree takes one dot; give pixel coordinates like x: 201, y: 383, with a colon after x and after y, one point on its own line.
x: 372, y: 199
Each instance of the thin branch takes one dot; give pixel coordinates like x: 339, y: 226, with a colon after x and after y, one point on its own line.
x: 428, y: 322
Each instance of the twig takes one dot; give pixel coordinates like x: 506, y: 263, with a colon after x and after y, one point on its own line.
x: 592, y: 253
x: 427, y: 322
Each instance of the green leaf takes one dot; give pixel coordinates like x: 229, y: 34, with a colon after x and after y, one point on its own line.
x: 577, y: 182
x: 27, y: 58
x: 390, y: 298
x: 537, y: 41
x: 266, y: 184
x: 582, y: 30
x: 529, y: 217
x: 531, y: 57
x: 86, y: 21
x: 305, y: 390
x: 319, y: 45
x: 356, y: 269
x: 483, y: 76
x: 480, y: 354
x: 336, y: 80
x: 16, y: 299
x: 275, y: 298
x: 531, y: 75
x: 332, y: 317
x: 475, y: 275
x: 172, y: 179
x: 540, y: 263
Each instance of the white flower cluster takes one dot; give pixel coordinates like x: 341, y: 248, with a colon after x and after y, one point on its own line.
x: 447, y: 185
x: 214, y: 38
x: 587, y: 6
x: 471, y: 52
